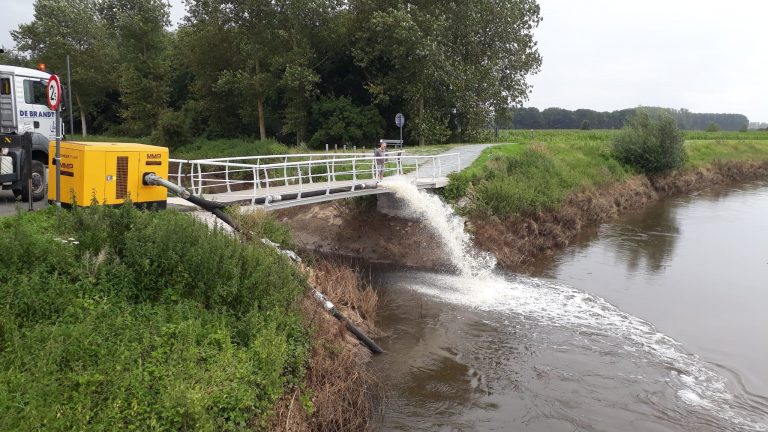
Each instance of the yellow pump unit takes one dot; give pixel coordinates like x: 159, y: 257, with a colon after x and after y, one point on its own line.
x: 110, y: 173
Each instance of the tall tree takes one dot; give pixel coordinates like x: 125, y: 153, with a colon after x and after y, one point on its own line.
x: 304, y: 24
x: 139, y: 26
x: 445, y: 59
x: 256, y: 22
x: 73, y: 27
x: 209, y: 50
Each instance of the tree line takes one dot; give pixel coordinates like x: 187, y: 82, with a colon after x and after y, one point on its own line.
x: 559, y: 118
x: 301, y: 71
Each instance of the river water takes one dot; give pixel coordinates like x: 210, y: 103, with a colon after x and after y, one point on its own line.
x: 657, y: 321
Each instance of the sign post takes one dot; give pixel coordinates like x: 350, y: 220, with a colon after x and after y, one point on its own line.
x: 54, y: 103
x: 69, y: 98
x: 400, y: 121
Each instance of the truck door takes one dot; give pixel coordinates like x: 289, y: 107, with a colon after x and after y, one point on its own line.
x: 35, y: 115
x: 7, y: 109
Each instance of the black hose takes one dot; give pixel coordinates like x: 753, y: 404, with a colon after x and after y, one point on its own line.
x: 331, y: 308
x: 218, y: 210
x: 215, y: 208
x: 368, y: 342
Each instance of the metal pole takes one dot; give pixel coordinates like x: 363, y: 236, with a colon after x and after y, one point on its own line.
x: 58, y: 156
x: 69, y: 99
x: 401, y: 137
x: 27, y: 137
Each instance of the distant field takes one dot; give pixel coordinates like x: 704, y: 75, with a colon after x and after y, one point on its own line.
x: 547, y: 135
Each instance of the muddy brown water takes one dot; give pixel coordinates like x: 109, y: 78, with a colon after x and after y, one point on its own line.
x: 655, y: 322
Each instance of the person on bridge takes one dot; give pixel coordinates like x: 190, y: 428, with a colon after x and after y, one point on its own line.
x: 381, y: 157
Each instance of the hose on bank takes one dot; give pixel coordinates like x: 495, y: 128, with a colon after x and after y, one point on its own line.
x: 328, y: 305
x: 362, y: 337
x: 152, y: 179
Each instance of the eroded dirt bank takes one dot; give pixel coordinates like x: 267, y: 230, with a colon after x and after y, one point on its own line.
x: 518, y: 239
x: 361, y: 232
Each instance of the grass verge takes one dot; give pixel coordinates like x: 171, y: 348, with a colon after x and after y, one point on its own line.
x: 115, y: 319
x: 706, y: 152
x: 515, y: 178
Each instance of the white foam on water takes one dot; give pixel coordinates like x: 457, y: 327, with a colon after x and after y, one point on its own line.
x: 449, y: 226
x: 692, y: 398
x: 558, y: 305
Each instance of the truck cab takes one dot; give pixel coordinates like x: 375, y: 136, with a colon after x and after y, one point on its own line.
x: 24, y: 108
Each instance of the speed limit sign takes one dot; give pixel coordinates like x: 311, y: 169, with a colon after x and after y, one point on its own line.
x: 54, y: 93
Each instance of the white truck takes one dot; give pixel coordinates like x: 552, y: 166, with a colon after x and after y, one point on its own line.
x: 24, y: 108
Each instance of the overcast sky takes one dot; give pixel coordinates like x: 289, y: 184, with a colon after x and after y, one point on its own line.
x: 702, y: 55
x: 607, y: 54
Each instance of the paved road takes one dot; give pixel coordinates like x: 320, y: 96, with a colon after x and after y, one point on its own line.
x: 467, y: 155
x: 8, y: 204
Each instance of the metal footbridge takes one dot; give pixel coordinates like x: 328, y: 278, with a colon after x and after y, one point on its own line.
x: 279, y: 181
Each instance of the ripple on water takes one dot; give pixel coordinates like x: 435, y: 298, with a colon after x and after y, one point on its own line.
x: 588, y: 333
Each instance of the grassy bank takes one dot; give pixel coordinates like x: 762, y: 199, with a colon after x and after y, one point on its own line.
x: 540, y: 168
x: 534, y: 195
x: 115, y: 319
x: 516, y: 178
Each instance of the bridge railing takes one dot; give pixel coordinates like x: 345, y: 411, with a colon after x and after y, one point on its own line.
x: 189, y: 173
x: 253, y: 176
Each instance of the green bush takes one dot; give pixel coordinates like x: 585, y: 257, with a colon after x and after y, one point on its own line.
x: 713, y: 127
x: 339, y: 121
x: 154, y: 322
x: 172, y: 130
x: 650, y: 145
x: 506, y: 191
x: 205, y: 148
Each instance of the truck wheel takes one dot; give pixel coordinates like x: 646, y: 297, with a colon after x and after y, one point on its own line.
x: 38, y: 183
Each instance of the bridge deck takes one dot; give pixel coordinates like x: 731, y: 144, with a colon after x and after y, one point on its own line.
x: 311, y: 193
